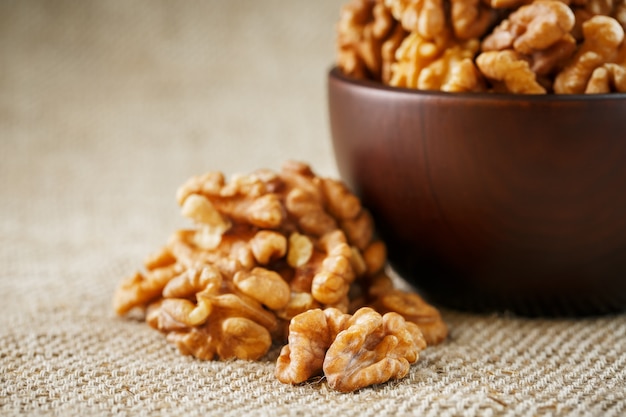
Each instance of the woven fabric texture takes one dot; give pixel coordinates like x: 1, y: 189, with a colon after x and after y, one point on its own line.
x: 105, y: 108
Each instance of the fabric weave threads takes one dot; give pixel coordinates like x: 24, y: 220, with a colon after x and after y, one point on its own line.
x: 105, y: 108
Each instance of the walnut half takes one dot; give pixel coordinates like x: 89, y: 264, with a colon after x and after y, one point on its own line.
x: 271, y: 257
x: 351, y: 351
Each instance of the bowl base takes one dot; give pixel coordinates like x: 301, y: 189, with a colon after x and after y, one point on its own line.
x: 444, y: 291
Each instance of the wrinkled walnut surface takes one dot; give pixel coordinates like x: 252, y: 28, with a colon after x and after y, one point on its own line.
x: 351, y: 351
x: 523, y: 46
x: 275, y: 257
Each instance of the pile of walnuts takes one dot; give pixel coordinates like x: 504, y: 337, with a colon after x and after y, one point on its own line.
x: 507, y: 46
x: 276, y: 257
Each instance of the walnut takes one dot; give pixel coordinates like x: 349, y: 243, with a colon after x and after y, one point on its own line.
x: 251, y: 185
x: 424, y: 17
x: 234, y: 337
x: 430, y: 45
x: 305, y: 200
x: 357, y: 262
x: 602, y: 38
x: 232, y: 254
x: 176, y: 310
x: 299, y: 302
x: 328, y: 271
x: 375, y: 257
x: 300, y: 250
x: 240, y: 305
x: 245, y: 199
x: 267, y: 246
x: 551, y: 60
x: 390, y: 33
x: 341, y: 203
x: 265, y: 211
x: 371, y: 349
x: 180, y: 313
x: 351, y: 351
x: 541, y: 32
x: 265, y: 286
x: 310, y: 335
x: 207, y: 279
x: 143, y: 287
x: 414, y: 54
x: 388, y: 52
x: 610, y: 77
x: 333, y: 281
x: 200, y: 209
x: 586, y: 9
x: 507, y: 4
x: 359, y: 230
x: 196, y: 342
x: 606, y: 79
x: 302, y: 278
x: 211, y: 224
x: 139, y: 289
x: 224, y: 324
x: 309, y: 212
x: 207, y: 184
x: 454, y: 71
x: 510, y: 70
x: 266, y: 252
x: 159, y: 259
x: 319, y: 205
x: 620, y: 58
x: 414, y: 309
x: 378, y: 292
x: 471, y: 18
x: 533, y: 27
x: 243, y: 339
x: 203, y: 299
x: 364, y: 26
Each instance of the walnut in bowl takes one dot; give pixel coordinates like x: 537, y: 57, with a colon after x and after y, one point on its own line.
x: 487, y: 138
x: 510, y: 46
x: 491, y: 201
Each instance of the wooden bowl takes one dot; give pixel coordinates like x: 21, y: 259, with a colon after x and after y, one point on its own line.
x: 491, y: 201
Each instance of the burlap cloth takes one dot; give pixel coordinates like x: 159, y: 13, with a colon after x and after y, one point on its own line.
x: 105, y: 108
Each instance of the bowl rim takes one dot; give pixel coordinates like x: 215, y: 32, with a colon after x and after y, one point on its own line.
x: 336, y: 73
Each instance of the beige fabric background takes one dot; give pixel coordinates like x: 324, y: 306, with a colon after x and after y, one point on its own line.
x: 105, y: 108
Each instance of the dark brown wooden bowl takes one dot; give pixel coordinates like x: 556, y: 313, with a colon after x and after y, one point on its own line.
x: 489, y: 201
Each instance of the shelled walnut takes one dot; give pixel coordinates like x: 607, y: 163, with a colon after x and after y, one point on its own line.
x: 524, y: 46
x: 367, y: 38
x: 267, y: 254
x: 351, y: 351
